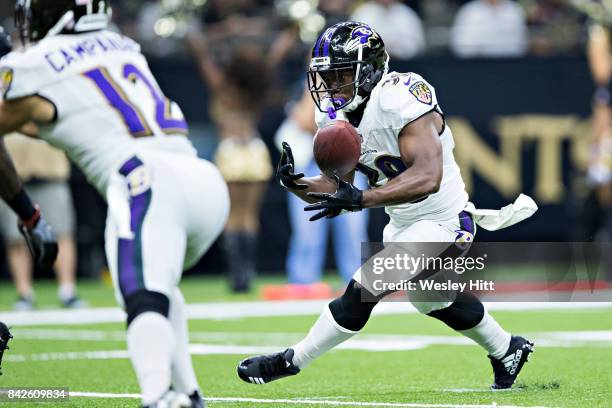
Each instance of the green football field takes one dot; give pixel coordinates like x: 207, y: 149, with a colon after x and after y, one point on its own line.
x: 399, y: 360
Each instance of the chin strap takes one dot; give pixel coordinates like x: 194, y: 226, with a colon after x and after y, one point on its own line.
x: 357, y: 100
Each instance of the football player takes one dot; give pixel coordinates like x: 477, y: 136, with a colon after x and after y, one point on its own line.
x: 407, y: 153
x: 91, y: 93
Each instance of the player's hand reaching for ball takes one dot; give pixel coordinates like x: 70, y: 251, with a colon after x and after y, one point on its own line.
x: 347, y: 197
x: 285, y: 169
x: 40, y: 239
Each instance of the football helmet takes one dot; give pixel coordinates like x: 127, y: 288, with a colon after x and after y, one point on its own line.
x: 37, y: 19
x: 346, y: 56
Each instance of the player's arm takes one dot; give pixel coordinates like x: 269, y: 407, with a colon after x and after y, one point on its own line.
x: 421, y: 152
x: 14, y: 115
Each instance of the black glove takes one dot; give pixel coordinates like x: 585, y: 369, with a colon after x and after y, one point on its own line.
x: 41, y: 240
x: 284, y: 170
x: 5, y: 336
x: 347, y: 197
x: 5, y: 43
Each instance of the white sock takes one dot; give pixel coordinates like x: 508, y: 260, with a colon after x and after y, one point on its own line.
x: 150, y: 341
x: 183, y: 376
x: 490, y: 335
x: 324, y: 335
x: 66, y: 291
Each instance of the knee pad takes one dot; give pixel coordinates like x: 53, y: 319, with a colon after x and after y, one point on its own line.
x: 352, y: 309
x: 146, y: 301
x: 463, y: 314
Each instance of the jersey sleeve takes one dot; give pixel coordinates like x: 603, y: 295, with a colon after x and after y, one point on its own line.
x: 404, y: 98
x: 21, y: 76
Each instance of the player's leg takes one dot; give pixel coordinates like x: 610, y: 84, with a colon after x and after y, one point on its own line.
x: 465, y: 313
x: 344, y: 317
x: 205, y: 221
x: 150, y: 336
x: 183, y: 375
x: 145, y: 247
x: 340, y: 320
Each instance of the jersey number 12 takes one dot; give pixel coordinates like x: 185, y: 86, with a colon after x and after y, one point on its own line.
x: 132, y: 116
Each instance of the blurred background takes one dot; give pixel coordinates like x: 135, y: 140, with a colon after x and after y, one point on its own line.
x: 523, y: 84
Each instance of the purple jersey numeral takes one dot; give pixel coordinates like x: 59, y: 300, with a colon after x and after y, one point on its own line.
x: 390, y: 166
x: 131, y: 115
x: 116, y: 97
x: 162, y: 104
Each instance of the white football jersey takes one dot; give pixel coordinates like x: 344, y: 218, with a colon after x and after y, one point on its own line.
x: 397, y: 100
x: 109, y: 106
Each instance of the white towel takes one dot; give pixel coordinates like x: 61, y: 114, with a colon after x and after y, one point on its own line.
x: 118, y: 198
x: 493, y: 220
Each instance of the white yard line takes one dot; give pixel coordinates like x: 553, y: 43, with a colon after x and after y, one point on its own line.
x: 239, y: 310
x: 312, y: 402
x: 372, y: 342
x: 261, y: 345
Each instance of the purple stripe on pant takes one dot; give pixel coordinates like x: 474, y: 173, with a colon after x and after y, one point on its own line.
x: 130, y: 269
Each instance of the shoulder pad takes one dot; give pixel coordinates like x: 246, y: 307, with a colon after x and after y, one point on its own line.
x: 406, y: 97
x: 21, y: 74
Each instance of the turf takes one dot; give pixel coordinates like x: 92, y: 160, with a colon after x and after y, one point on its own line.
x: 578, y: 376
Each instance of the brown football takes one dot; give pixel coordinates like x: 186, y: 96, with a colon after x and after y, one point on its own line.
x: 336, y: 148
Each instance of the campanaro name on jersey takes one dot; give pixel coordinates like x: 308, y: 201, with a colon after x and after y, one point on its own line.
x: 91, y: 46
x: 397, y: 100
x: 109, y: 106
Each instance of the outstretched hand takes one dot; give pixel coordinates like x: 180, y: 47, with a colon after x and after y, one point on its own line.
x: 285, y: 168
x: 346, y: 198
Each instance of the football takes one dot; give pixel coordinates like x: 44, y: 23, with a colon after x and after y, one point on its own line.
x: 336, y: 148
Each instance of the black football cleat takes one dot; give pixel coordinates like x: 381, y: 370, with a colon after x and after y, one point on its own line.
x: 5, y: 336
x: 196, y: 400
x: 507, y: 368
x: 263, y: 369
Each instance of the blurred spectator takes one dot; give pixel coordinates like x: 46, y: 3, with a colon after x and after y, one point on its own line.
x: 308, y: 242
x: 397, y: 23
x: 489, y: 28
x: 555, y: 27
x: 239, y: 90
x: 242, y: 157
x: 44, y: 171
x: 595, y: 212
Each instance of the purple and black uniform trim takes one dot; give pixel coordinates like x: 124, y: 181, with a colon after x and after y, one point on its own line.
x: 129, y: 255
x: 466, y: 222
x: 322, y: 46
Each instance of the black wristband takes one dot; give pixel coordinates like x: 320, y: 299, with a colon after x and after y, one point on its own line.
x: 22, y: 205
